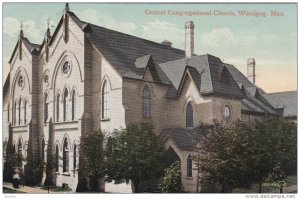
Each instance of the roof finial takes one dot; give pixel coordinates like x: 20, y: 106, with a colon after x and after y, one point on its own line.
x: 67, y: 7
x: 48, y: 34
x: 21, y: 30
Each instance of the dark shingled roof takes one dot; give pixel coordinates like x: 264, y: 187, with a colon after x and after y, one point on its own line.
x: 131, y: 56
x: 257, y: 102
x: 6, y: 86
x: 286, y: 100
x: 122, y: 50
x: 184, y: 138
x: 208, y: 71
x: 31, y: 47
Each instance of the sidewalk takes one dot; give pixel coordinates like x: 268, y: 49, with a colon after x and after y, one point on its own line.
x: 291, y: 189
x: 26, y: 189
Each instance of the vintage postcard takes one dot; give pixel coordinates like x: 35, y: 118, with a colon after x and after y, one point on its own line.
x: 149, y: 98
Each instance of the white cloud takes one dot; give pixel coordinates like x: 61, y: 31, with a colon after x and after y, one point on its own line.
x: 218, y: 37
x: 92, y: 16
x: 30, y: 28
x: 160, y: 30
x: 11, y: 26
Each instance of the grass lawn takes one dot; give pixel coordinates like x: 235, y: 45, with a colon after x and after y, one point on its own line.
x: 7, y: 190
x: 290, y: 181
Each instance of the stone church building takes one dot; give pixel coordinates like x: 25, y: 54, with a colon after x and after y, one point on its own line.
x: 85, y: 77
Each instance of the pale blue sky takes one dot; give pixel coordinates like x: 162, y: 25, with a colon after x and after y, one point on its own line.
x: 272, y: 41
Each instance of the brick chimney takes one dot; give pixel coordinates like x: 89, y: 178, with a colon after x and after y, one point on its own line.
x: 251, y: 70
x: 189, y: 39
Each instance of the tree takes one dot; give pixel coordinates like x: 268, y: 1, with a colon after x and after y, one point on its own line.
x: 92, y: 160
x: 135, y: 155
x: 49, y: 167
x: 240, y: 156
x: 276, y: 150
x: 171, y: 182
x: 222, y: 155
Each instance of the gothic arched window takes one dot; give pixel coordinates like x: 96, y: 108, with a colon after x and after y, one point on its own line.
x: 46, y: 107
x: 19, y: 112
x: 146, y: 102
x: 15, y: 114
x: 20, y: 152
x: 43, y: 150
x: 73, y: 105
x: 189, y: 165
x: 57, y: 107
x: 20, y: 147
x: 56, y: 158
x: 25, y: 112
x: 74, y: 157
x: 104, y: 100
x: 65, y: 103
x: 189, y: 115
x: 66, y: 156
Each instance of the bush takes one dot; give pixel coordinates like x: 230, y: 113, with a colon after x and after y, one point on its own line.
x: 172, y: 180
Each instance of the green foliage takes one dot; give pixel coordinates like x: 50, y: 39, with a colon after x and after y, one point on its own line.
x: 239, y: 156
x: 134, y: 154
x: 222, y: 155
x: 92, y: 157
x: 172, y: 179
x: 12, y: 161
x: 276, y: 146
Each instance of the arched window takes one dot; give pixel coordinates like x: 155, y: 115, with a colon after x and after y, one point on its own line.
x: 73, y: 105
x: 146, y: 102
x: 43, y: 150
x: 66, y: 156
x: 189, y: 115
x: 19, y: 161
x: 65, y: 103
x: 189, y: 166
x: 25, y: 112
x: 20, y: 147
x: 14, y: 149
x: 57, y: 107
x: 104, y: 100
x: 46, y: 107
x: 56, y: 158
x: 19, y: 112
x: 74, y: 158
x: 15, y: 114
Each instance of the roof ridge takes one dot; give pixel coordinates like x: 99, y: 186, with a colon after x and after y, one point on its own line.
x: 157, y: 43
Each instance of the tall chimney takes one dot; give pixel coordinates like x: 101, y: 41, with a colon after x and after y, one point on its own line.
x: 251, y: 70
x: 189, y: 39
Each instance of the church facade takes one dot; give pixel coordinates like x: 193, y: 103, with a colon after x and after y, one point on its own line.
x: 85, y: 77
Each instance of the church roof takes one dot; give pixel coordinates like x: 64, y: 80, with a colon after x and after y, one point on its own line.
x: 31, y: 47
x: 6, y: 86
x: 209, y: 71
x: 284, y: 100
x: 122, y: 50
x: 184, y: 138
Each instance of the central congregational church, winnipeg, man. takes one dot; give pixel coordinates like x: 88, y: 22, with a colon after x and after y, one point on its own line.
x: 84, y: 77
